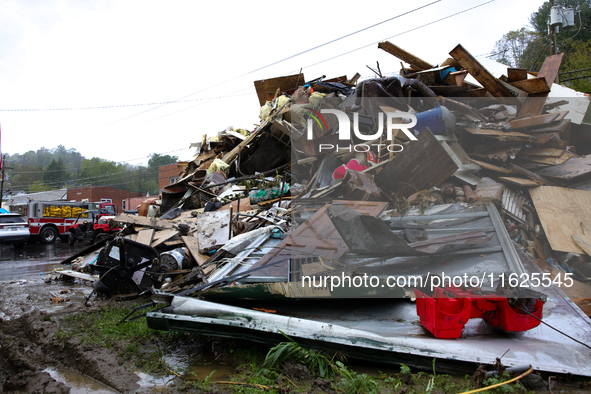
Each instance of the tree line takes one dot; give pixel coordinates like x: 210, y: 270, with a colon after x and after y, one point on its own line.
x: 528, y: 47
x: 49, y: 169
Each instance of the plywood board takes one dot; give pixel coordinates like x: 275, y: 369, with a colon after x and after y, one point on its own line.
x: 192, y: 243
x: 145, y: 236
x: 563, y: 213
x: 575, y: 170
x: 584, y: 244
x: 162, y: 236
x: 266, y: 88
x: 158, y: 224
x: 553, y: 161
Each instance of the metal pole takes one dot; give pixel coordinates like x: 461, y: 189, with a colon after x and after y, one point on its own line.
x: 2, y: 181
x: 552, y: 31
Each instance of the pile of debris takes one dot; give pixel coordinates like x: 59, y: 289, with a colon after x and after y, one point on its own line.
x: 469, y: 170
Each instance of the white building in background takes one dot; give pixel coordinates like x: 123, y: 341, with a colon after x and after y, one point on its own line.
x: 24, y: 198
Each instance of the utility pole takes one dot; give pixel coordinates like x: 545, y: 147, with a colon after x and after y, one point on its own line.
x: 552, y: 32
x: 2, y: 181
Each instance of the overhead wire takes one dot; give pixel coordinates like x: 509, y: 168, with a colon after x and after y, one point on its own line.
x: 277, y: 62
x: 300, y: 53
x: 354, y: 50
x: 184, y: 99
x: 399, y: 34
x: 117, y: 105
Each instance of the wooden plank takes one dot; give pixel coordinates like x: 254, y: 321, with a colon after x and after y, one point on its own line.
x: 266, y: 88
x: 553, y: 127
x: 516, y: 74
x: 531, y: 175
x: 449, y: 90
x: 583, y: 244
x: 563, y: 213
x: 532, y: 86
x: 145, y: 236
x: 477, y: 70
x: 192, y: 243
x: 541, y: 139
x: 519, y: 181
x: 407, y: 57
x: 464, y: 108
x: 423, y: 164
x: 534, y: 104
x: 233, y: 154
x: 575, y: 170
x: 157, y: 224
x: 546, y: 152
x: 553, y: 161
x: 491, y: 167
x: 532, y: 121
x: 161, y: 237
x: 500, y: 135
x: 516, y: 92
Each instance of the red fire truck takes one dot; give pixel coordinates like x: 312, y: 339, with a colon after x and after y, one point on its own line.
x: 51, y: 219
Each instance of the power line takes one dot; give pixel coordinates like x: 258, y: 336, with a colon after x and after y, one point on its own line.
x: 276, y: 62
x: 354, y: 50
x: 119, y: 105
x: 399, y: 34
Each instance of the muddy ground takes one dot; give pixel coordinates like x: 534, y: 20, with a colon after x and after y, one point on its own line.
x: 33, y: 345
x: 29, y: 342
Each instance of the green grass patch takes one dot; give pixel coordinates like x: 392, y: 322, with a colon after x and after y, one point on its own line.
x: 104, y: 328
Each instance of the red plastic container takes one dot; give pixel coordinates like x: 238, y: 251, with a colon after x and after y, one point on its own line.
x: 512, y: 319
x: 443, y: 316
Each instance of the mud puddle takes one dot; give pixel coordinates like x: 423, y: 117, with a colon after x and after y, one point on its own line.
x: 79, y: 383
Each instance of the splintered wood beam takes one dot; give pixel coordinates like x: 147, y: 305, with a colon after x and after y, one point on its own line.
x: 531, y: 175
x: 533, y: 85
x: 534, y: 104
x: 516, y: 74
x: 481, y: 74
x: 401, y: 54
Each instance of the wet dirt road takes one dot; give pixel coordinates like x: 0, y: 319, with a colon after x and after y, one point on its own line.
x: 32, y: 260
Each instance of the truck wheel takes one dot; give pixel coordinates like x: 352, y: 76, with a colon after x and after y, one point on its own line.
x: 48, y: 235
x: 71, y: 239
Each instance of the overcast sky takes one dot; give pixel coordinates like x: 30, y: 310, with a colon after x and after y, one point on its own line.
x: 203, y: 56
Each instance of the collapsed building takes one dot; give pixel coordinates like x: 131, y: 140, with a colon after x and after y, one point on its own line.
x: 382, y: 217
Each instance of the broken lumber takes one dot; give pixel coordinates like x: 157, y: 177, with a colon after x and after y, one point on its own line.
x: 417, y: 63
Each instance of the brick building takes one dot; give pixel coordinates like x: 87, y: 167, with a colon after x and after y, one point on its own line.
x: 167, y: 175
x: 134, y: 202
x: 98, y: 193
